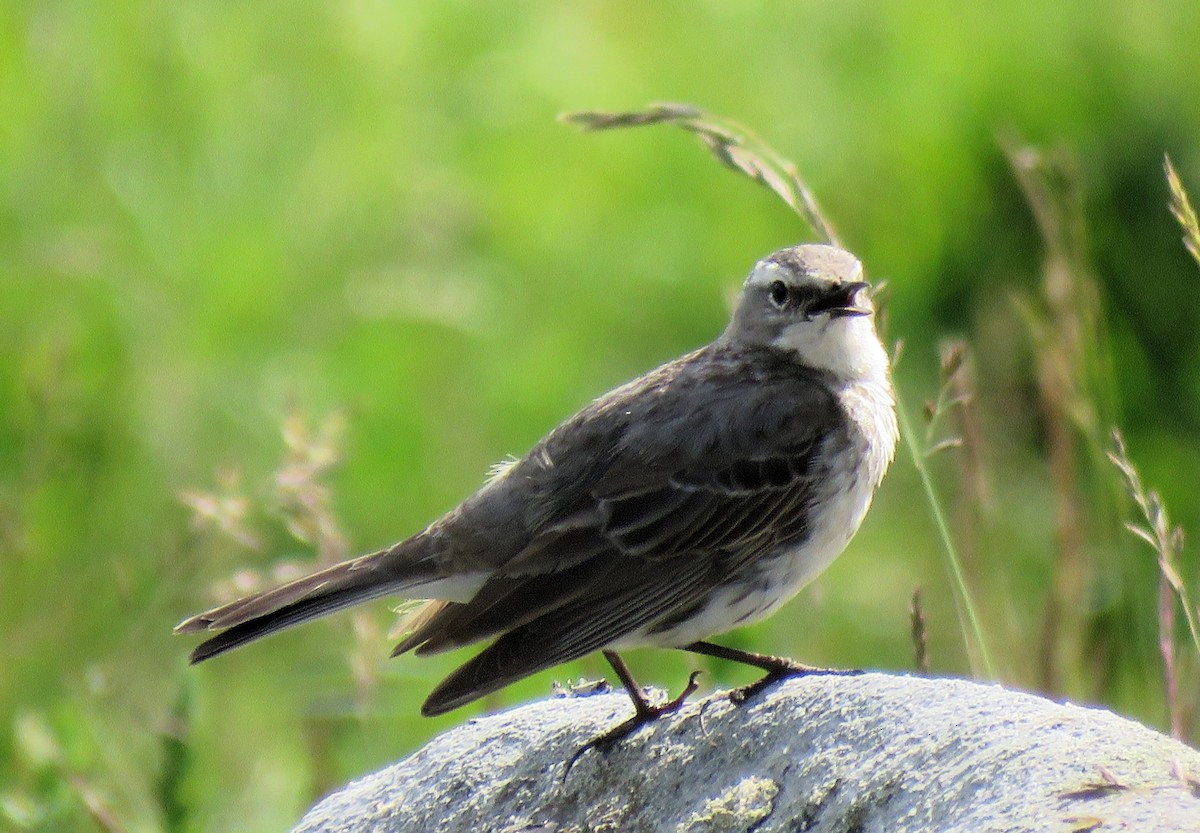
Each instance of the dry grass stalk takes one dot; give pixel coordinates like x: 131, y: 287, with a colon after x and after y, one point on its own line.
x: 956, y: 403
x: 952, y: 397
x: 224, y: 512
x: 1065, y: 328
x: 734, y: 146
x: 920, y: 636
x: 957, y: 366
x: 974, y: 503
x: 921, y: 449
x: 1181, y: 207
x: 1167, y: 542
x: 953, y: 355
x: 300, y: 495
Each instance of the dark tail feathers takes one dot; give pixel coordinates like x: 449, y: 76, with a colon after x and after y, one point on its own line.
x: 340, y: 586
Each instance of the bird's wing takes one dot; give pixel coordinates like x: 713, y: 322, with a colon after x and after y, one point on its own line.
x: 714, y: 466
x: 721, y: 456
x: 643, y: 591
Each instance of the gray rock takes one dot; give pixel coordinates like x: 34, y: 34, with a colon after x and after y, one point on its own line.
x: 822, y: 753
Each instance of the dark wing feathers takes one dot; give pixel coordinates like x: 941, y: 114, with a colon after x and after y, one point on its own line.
x: 655, y: 530
x: 706, y: 509
x: 503, y: 604
x: 588, y: 623
x: 636, y: 511
x: 657, y: 537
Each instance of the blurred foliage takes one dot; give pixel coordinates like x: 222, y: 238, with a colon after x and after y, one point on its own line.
x: 217, y: 220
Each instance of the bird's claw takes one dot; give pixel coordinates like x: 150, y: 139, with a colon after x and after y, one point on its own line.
x: 644, y: 713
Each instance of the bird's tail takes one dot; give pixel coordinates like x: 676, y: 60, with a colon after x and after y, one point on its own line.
x: 335, y: 588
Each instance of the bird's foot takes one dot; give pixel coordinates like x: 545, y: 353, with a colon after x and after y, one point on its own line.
x: 777, y: 668
x: 644, y: 712
x: 780, y: 668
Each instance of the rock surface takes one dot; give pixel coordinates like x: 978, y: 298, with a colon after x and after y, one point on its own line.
x: 867, y: 753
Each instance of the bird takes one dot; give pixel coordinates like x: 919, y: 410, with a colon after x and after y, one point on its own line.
x: 686, y: 503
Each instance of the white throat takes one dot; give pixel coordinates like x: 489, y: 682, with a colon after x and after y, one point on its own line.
x: 847, y: 347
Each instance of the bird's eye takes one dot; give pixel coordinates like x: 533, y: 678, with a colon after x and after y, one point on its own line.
x: 779, y: 294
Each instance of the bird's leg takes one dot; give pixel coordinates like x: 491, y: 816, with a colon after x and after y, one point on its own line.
x: 777, y: 668
x: 643, y: 710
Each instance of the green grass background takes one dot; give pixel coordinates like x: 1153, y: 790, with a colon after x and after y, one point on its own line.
x: 214, y: 215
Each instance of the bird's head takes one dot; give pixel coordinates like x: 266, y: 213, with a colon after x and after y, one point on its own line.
x: 811, y: 301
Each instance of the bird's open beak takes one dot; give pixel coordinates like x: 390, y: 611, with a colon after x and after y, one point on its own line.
x: 842, y: 301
